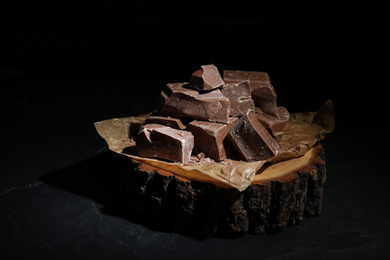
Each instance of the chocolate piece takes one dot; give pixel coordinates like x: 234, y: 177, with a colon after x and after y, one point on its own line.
x: 167, y: 121
x: 252, y: 140
x: 179, y: 101
x: 274, y: 125
x: 239, y: 95
x: 211, y: 139
x: 255, y: 78
x: 263, y: 94
x: 164, y: 142
x: 206, y: 78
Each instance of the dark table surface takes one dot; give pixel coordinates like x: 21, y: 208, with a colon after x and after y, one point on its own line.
x: 57, y: 197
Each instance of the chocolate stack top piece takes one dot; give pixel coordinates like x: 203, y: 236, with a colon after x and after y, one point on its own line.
x: 253, y: 76
x: 215, y: 116
x: 206, y: 78
x: 263, y: 94
x: 239, y: 95
x: 167, y: 121
x: 181, y: 101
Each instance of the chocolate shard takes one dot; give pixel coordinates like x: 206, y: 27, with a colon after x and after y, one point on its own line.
x: 179, y: 101
x: 207, y: 77
x: 167, y: 121
x: 252, y: 140
x: 211, y: 138
x: 274, y: 125
x: 263, y: 94
x: 239, y: 95
x: 164, y: 142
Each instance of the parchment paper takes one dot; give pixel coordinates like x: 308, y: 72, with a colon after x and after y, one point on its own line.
x: 301, y: 132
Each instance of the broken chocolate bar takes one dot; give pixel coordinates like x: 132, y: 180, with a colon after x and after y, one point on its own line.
x: 255, y: 78
x: 206, y: 78
x: 164, y: 142
x: 240, y: 98
x: 252, y: 140
x: 211, y: 138
x: 274, y: 125
x: 180, y: 101
x: 167, y: 121
x: 263, y: 94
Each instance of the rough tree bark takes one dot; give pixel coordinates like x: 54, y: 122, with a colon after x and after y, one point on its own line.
x: 281, y: 195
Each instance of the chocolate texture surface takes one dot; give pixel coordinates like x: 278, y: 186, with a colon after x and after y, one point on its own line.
x: 165, y: 120
x: 274, y: 125
x: 239, y: 95
x: 164, y: 142
x: 207, y: 77
x: 252, y: 140
x: 180, y: 101
x: 211, y: 138
x: 263, y: 94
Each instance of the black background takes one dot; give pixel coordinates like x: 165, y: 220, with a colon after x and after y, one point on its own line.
x: 67, y: 64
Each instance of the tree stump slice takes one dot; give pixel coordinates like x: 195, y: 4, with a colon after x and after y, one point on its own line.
x: 280, y: 195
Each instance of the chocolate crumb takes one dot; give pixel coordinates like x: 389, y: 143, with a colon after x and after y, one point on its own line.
x: 198, y: 159
x: 228, y: 163
x: 200, y: 156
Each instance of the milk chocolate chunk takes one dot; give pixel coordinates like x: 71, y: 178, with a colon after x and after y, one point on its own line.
x: 179, y: 101
x: 167, y: 121
x: 206, y: 78
x: 240, y: 98
x: 252, y: 140
x: 164, y: 142
x: 263, y: 94
x: 211, y: 138
x: 274, y: 125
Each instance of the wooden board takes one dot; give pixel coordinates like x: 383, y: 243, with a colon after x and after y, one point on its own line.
x: 281, y: 194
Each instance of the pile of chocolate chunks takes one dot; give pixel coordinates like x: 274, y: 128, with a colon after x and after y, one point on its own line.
x: 215, y: 116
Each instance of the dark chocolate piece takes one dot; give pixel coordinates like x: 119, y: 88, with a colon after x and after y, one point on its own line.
x: 167, y: 121
x: 274, y: 125
x: 239, y: 95
x: 263, y: 94
x: 179, y: 101
x: 252, y: 140
x: 206, y: 78
x: 164, y: 142
x: 211, y: 138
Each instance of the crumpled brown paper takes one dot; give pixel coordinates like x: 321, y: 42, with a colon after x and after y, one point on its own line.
x: 301, y: 132
x: 304, y: 130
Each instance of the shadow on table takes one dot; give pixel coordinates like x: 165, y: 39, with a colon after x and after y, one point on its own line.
x: 100, y: 179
